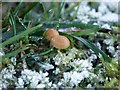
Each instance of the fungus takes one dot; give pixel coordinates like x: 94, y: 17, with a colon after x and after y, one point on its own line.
x: 60, y: 42
x: 50, y: 33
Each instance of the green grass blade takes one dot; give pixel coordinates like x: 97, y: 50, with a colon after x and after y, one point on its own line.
x: 12, y: 22
x: 13, y: 53
x: 94, y: 48
x: 19, y: 36
x: 90, y: 46
x: 45, y: 52
x: 3, y: 30
x: 18, y: 7
x: 39, y: 55
x: 51, y: 14
x: 75, y: 14
x: 28, y: 8
x: 85, y: 32
x: 67, y: 24
x: 71, y: 8
x: 59, y: 9
x: 22, y: 24
x: 45, y: 12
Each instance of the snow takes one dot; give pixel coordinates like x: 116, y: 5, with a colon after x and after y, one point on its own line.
x: 47, y: 66
x: 109, y: 17
x: 111, y: 49
x: 79, y: 69
x: 107, y: 12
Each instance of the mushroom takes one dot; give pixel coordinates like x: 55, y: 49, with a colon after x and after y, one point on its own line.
x: 60, y: 42
x: 50, y: 33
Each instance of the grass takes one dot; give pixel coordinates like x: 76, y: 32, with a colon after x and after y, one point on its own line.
x: 19, y: 36
x: 19, y: 26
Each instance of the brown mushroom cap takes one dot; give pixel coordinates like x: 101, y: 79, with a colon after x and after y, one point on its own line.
x: 50, y: 33
x: 60, y: 42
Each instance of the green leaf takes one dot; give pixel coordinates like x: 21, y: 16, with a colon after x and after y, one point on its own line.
x: 28, y: 8
x: 71, y: 7
x: 12, y: 22
x: 75, y: 13
x: 45, y: 11
x: 45, y: 52
x: 112, y: 83
x: 18, y: 7
x: 59, y: 9
x: 94, y: 48
x: 86, y: 32
x: 22, y: 24
x: 51, y: 14
x: 67, y: 24
x: 39, y: 55
x: 13, y: 53
x: 19, y: 36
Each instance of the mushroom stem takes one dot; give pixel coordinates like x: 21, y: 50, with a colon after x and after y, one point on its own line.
x: 59, y: 52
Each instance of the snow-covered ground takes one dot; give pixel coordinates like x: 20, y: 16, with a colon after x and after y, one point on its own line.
x: 103, y: 12
x: 68, y: 70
